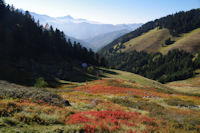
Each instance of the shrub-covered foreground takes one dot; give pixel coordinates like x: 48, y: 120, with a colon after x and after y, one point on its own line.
x: 111, y: 106
x: 110, y: 121
x: 33, y: 94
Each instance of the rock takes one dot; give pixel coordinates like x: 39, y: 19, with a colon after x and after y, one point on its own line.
x: 59, y: 130
x: 94, y: 103
x: 66, y: 103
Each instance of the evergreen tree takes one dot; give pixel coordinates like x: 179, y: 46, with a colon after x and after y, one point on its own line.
x: 28, y: 44
x: 175, y: 65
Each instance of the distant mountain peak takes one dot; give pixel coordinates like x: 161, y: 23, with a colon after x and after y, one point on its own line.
x: 66, y: 17
x: 80, y: 28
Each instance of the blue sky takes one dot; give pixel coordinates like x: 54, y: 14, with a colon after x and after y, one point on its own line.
x: 107, y: 11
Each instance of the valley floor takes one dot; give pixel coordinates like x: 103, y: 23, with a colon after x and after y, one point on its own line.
x: 191, y: 86
x: 119, y: 102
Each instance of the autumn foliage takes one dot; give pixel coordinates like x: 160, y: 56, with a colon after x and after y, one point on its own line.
x: 106, y: 106
x: 111, y: 120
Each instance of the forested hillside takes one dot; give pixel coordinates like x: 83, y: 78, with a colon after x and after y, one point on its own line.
x: 178, y: 23
x: 176, y: 65
x: 28, y: 47
x: 141, y: 51
x: 102, y: 40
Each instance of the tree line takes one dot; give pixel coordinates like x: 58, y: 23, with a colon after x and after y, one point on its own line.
x: 23, y: 38
x: 176, y: 65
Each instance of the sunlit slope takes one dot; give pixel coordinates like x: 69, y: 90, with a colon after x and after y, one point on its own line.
x: 191, y: 85
x: 154, y: 41
x: 139, y: 80
x: 151, y: 41
x: 189, y: 42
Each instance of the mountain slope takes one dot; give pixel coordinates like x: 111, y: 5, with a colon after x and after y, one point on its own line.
x: 30, y: 51
x: 189, y: 42
x: 151, y: 37
x: 122, y: 103
x: 83, y: 43
x: 140, y: 51
x: 80, y: 28
x: 150, y: 41
x: 154, y: 41
x: 102, y: 40
x: 190, y: 86
x: 140, y: 80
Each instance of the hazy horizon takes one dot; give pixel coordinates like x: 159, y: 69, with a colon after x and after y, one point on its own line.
x: 107, y: 12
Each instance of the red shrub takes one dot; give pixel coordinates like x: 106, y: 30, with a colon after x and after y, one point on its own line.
x: 109, y: 120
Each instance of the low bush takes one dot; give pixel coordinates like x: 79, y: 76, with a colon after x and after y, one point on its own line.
x: 30, y: 118
x: 177, y: 120
x: 118, y: 84
x: 10, y: 121
x: 183, y: 121
x: 155, y: 110
x: 91, y: 70
x: 111, y: 121
x: 36, y: 95
x: 41, y: 119
x: 142, y: 105
x: 8, y: 109
x: 52, y: 119
x: 179, y: 102
x: 40, y: 83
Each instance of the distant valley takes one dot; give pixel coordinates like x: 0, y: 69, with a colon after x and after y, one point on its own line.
x: 161, y: 35
x: 89, y: 33
x: 166, y: 49
x: 135, y: 79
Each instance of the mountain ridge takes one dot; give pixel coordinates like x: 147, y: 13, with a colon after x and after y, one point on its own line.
x: 177, y: 24
x: 102, y: 40
x: 82, y: 29
x: 172, y: 41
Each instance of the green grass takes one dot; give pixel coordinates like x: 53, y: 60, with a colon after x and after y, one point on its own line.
x: 23, y: 128
x: 180, y: 103
x: 144, y: 82
x: 154, y: 40
x: 150, y: 41
x: 188, y: 86
x: 189, y: 42
x: 140, y: 104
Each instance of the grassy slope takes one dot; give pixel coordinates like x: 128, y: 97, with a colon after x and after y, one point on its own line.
x: 142, y: 82
x: 191, y: 85
x: 117, y: 74
x: 119, y: 93
x: 189, y: 42
x: 154, y: 40
x: 150, y: 41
